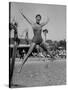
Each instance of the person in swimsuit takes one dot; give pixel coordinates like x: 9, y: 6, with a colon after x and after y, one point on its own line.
x: 37, y: 38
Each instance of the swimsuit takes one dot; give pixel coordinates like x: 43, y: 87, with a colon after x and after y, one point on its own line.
x: 37, y: 34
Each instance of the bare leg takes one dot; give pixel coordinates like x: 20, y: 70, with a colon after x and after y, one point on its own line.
x: 29, y: 52
x: 44, y: 46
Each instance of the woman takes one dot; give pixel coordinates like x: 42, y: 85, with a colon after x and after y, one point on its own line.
x: 37, y: 39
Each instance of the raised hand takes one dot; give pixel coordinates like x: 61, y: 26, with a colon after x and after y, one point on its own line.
x: 46, y: 22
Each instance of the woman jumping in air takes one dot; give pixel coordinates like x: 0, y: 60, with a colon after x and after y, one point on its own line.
x: 37, y: 38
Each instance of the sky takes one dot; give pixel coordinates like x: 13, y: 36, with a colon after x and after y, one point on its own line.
x: 56, y: 13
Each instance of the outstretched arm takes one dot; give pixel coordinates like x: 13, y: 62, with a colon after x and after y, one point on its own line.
x: 26, y: 18
x: 44, y: 23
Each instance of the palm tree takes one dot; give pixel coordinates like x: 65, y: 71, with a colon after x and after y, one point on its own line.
x: 45, y: 31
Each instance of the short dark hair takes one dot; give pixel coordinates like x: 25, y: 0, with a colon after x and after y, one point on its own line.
x: 38, y: 15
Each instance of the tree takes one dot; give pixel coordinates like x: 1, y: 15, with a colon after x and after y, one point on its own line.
x: 62, y: 43
x: 45, y: 31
